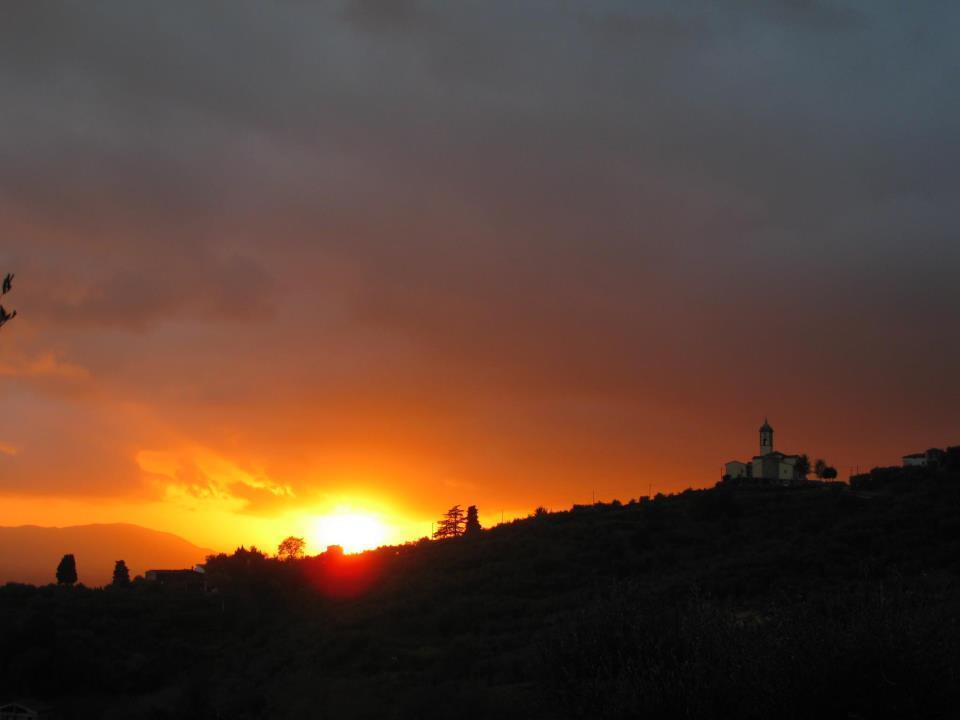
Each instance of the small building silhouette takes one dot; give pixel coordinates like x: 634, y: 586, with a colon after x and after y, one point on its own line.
x: 934, y: 457
x: 194, y: 579
x: 915, y: 460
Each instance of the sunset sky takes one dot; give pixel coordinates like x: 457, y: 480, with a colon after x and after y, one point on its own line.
x: 282, y: 261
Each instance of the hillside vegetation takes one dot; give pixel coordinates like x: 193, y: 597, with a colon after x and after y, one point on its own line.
x: 728, y: 602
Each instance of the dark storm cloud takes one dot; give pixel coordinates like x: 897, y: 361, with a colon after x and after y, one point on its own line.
x: 818, y: 15
x: 578, y: 214
x: 379, y: 14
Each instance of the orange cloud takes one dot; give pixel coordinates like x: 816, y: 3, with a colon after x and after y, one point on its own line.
x: 194, y: 476
x: 44, y: 365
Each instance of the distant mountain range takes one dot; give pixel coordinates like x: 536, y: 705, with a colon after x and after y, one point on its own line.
x: 30, y: 554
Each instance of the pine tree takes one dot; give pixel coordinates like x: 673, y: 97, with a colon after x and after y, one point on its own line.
x: 67, y: 570
x: 473, y: 521
x: 6, y: 287
x: 121, y: 575
x: 451, y: 525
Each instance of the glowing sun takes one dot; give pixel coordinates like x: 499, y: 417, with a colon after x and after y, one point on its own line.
x: 354, y: 532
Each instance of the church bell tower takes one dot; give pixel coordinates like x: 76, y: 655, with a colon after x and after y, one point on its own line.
x: 766, y: 438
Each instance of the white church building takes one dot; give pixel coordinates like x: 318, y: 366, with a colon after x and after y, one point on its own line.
x: 770, y: 466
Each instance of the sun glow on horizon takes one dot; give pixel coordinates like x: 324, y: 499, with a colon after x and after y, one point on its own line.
x: 353, y: 531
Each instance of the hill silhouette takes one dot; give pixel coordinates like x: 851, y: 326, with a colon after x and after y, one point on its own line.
x: 729, y: 602
x: 29, y: 553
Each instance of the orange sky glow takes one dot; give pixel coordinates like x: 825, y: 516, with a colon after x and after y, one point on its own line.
x: 510, y: 259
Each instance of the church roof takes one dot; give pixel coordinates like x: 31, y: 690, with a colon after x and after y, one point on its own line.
x: 766, y: 426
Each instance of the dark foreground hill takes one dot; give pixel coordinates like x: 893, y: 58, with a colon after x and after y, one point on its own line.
x: 29, y: 554
x: 747, y: 603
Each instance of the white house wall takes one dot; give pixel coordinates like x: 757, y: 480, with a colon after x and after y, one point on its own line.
x: 736, y: 469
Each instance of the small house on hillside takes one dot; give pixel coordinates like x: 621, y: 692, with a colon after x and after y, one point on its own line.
x: 915, y: 460
x: 178, y: 579
x: 934, y: 457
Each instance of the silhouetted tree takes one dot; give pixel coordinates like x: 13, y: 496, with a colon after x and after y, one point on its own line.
x: 292, y: 548
x: 803, y: 465
x: 830, y: 473
x: 67, y: 570
x: 334, y: 551
x: 473, y: 521
x: 5, y: 316
x: 952, y: 459
x: 243, y: 568
x: 819, y: 468
x: 451, y: 525
x: 121, y: 575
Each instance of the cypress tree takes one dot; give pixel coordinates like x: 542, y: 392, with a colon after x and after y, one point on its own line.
x: 67, y: 570
x: 121, y: 575
x: 473, y: 521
